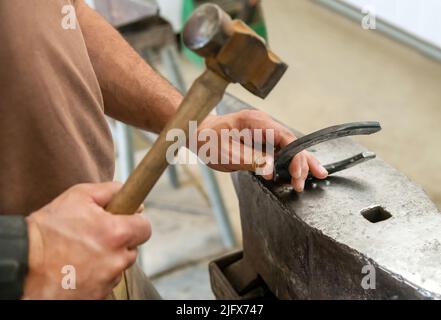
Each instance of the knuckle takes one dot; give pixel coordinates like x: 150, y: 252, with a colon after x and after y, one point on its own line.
x: 120, y: 233
x: 147, y: 229
x: 297, y: 161
x: 116, y: 233
x: 82, y: 187
x: 131, y: 257
x: 245, y: 113
x: 252, y: 114
x: 294, y: 164
x: 73, y: 197
x: 121, y: 263
x: 79, y: 191
x: 305, y: 166
x: 143, y: 228
x: 305, y: 172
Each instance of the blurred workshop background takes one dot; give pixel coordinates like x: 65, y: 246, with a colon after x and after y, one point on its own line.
x: 349, y: 60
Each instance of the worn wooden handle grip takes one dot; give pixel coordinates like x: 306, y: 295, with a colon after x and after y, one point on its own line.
x: 205, y: 93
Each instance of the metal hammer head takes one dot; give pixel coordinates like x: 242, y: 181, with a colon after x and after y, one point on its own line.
x: 233, y: 50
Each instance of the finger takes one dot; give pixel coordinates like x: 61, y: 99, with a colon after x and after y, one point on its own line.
x: 295, y: 167
x: 316, y: 168
x: 122, y: 260
x: 299, y: 183
x: 116, y: 280
x: 137, y: 230
x: 129, y: 258
x: 283, y: 136
x: 267, y: 170
x: 103, y: 193
x: 252, y: 160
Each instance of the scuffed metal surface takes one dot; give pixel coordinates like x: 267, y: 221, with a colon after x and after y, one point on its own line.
x: 315, y: 244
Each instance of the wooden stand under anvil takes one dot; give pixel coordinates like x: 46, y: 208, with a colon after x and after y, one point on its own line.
x: 365, y: 233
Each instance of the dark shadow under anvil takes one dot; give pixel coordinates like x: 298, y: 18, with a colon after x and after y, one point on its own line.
x: 316, y: 244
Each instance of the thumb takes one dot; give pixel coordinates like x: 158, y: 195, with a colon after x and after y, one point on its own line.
x: 259, y: 162
x: 103, y: 193
x: 264, y: 166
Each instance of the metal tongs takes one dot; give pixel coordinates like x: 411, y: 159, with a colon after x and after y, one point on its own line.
x: 284, y: 156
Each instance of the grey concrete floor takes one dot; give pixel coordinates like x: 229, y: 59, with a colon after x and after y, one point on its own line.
x: 187, y: 283
x: 338, y: 73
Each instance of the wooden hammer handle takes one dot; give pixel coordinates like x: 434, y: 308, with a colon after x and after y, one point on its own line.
x: 206, y: 92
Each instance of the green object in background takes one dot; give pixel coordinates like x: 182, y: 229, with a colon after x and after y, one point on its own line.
x: 260, y: 29
x: 187, y: 9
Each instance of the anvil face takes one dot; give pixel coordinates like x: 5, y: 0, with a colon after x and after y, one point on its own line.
x: 365, y: 233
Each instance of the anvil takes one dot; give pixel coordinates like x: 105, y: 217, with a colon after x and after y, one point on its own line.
x: 367, y: 221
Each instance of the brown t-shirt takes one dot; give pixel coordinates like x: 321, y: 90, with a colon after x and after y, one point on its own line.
x: 53, y: 133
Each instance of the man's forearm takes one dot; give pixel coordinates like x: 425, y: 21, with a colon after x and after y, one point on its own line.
x: 133, y: 92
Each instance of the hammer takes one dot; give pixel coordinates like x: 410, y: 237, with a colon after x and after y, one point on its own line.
x: 233, y: 54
